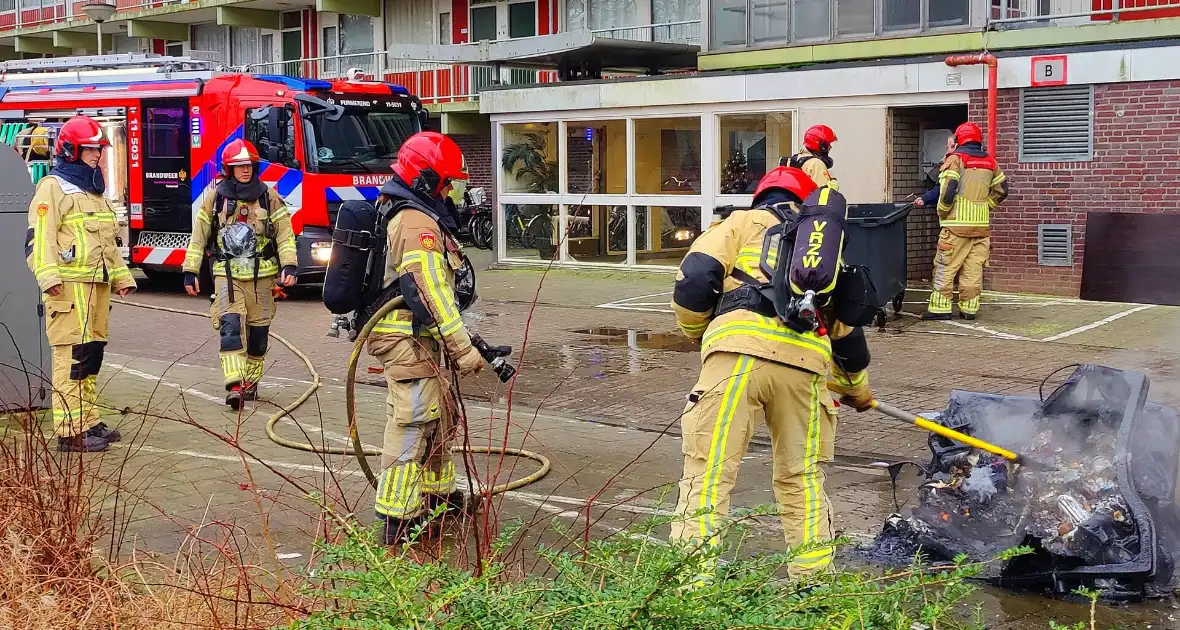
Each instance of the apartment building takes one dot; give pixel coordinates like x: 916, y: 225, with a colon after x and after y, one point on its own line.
x: 1085, y: 111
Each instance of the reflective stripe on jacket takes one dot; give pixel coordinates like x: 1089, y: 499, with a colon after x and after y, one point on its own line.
x: 72, y: 237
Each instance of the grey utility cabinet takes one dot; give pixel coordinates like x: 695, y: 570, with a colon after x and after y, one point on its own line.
x: 24, y: 351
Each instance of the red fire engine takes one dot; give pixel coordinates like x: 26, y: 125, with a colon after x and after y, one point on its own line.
x: 322, y: 142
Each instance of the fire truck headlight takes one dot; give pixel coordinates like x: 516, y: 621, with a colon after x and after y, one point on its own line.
x: 321, y: 252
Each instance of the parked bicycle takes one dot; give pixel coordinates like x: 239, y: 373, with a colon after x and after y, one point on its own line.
x: 475, y: 219
x: 527, y: 231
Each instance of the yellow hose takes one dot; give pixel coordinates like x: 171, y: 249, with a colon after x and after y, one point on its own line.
x: 358, y: 449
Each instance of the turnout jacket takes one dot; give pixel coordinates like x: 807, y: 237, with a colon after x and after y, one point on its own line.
x: 970, y: 185
x: 280, y: 235
x: 422, y: 259
x: 71, y: 237
x: 707, y: 271
x: 815, y: 167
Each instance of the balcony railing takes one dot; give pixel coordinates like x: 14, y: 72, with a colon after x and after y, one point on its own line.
x: 431, y: 81
x: 1028, y: 13
x: 682, y: 32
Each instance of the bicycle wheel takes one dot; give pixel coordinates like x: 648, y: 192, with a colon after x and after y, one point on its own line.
x: 529, y: 236
x: 481, y: 231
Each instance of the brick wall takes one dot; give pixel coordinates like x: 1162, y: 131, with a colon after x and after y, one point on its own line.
x: 1136, y: 168
x: 908, y: 180
x: 477, y: 151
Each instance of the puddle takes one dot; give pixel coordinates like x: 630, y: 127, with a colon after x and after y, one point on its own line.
x: 638, y: 340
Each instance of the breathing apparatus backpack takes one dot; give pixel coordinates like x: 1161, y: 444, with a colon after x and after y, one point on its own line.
x: 237, y: 240
x: 354, y: 282
x: 802, y: 258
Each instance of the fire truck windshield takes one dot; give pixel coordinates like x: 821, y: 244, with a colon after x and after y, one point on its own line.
x: 364, y: 140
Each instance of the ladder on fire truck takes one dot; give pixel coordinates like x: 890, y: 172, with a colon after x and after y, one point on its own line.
x: 34, y: 133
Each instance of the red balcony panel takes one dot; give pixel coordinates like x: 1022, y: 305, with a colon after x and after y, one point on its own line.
x: 1167, y: 9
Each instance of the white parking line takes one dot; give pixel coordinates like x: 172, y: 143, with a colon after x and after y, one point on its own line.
x: 1102, y: 322
x: 635, y: 304
x: 183, y: 390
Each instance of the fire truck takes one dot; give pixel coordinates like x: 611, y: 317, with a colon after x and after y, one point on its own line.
x: 322, y: 142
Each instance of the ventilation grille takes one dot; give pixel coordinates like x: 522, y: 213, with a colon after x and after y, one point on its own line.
x: 1056, y: 124
x: 166, y: 240
x: 1054, y: 245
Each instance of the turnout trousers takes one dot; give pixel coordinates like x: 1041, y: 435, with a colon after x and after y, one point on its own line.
x: 731, y: 394
x: 76, y: 325
x: 962, y: 257
x: 244, y: 326
x: 416, y: 454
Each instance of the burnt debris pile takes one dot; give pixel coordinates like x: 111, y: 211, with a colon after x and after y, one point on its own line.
x: 1102, y: 517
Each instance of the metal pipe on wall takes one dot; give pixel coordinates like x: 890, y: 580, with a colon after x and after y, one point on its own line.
x: 989, y: 60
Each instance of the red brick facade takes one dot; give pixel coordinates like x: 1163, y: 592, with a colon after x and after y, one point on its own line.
x: 477, y: 151
x: 1136, y: 168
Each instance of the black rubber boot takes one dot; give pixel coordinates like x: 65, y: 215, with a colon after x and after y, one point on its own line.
x: 395, y: 531
x: 935, y: 317
x: 250, y: 391
x: 234, y: 397
x: 101, y: 430
x: 84, y: 443
x: 454, y: 502
x: 967, y: 316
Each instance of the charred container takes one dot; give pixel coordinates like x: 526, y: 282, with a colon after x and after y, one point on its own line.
x: 1114, y: 530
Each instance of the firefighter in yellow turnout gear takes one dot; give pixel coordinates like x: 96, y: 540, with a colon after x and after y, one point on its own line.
x: 971, y: 185
x: 813, y: 158
x: 755, y: 364
x: 246, y: 228
x: 417, y: 345
x: 71, y: 248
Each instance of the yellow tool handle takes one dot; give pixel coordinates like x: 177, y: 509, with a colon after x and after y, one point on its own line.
x: 934, y: 427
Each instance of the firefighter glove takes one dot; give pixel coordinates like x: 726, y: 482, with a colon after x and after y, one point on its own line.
x: 470, y: 362
x: 859, y: 396
x: 191, y: 286
x: 287, y: 276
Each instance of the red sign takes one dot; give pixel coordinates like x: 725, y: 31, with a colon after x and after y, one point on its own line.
x: 1049, y: 70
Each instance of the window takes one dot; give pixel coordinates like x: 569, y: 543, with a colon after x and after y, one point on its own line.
x: 949, y: 12
x: 751, y: 144
x: 7, y: 5
x: 356, y: 34
x: 257, y: 134
x: 668, y: 156
x: 854, y: 17
x: 728, y: 26
x: 331, y: 49
x: 1057, y: 124
x: 812, y: 19
x: 528, y: 157
x: 174, y: 49
x: 663, y: 235
x: 769, y: 22
x: 291, y: 19
x: 596, y: 157
x: 444, y: 29
x: 364, y: 140
x: 165, y: 129
x: 900, y: 15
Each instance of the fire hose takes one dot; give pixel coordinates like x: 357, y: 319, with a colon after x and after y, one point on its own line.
x: 493, y: 355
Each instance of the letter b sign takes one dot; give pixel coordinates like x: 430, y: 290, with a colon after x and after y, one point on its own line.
x: 1049, y: 70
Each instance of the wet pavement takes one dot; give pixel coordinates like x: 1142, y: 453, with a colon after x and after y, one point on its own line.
x: 602, y: 381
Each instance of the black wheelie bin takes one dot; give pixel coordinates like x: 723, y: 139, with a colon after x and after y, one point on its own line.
x: 876, y: 239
